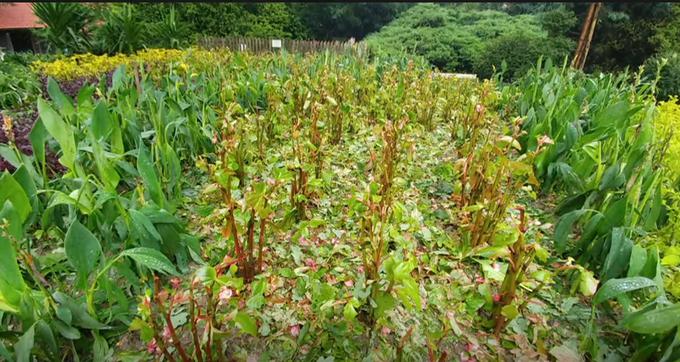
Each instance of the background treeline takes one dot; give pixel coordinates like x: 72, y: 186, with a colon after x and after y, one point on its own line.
x: 470, y: 37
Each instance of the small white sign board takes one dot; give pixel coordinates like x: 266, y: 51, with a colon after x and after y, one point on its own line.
x: 276, y: 43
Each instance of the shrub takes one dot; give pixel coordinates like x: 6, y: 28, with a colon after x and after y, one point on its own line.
x: 518, y: 50
x: 18, y: 86
x: 453, y: 38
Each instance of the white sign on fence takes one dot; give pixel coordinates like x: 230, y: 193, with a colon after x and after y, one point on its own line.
x: 276, y: 43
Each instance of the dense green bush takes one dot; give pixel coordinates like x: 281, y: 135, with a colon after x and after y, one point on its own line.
x: 466, y: 39
x: 18, y: 85
x: 517, y: 51
x: 222, y: 19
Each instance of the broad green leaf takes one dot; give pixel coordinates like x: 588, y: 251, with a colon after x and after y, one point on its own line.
x: 612, y: 178
x: 61, y: 131
x: 63, y: 102
x: 100, y: 349
x: 83, y: 203
x: 152, y: 259
x: 11, y: 190
x: 9, y: 155
x: 24, y: 345
x: 66, y: 330
x: 246, y: 323
x: 80, y: 317
x: 6, y: 306
x: 148, y: 173
x: 11, y: 281
x: 38, y: 136
x: 614, y: 287
x: 652, y: 321
x: 638, y: 258
x: 23, y: 177
x: 563, y: 228
x: 46, y: 337
x: 107, y: 172
x: 82, y: 249
x: 145, y: 229
x: 617, y: 259
x: 101, y: 125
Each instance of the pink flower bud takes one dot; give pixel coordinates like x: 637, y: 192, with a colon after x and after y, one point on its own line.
x: 175, y: 282
x: 152, y: 347
x: 311, y: 263
x: 225, y: 295
x: 295, y: 330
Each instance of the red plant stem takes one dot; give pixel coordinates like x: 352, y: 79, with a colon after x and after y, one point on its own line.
x: 248, y: 266
x: 194, y: 331
x: 263, y: 223
x: 168, y: 321
x: 154, y: 326
x: 208, y: 325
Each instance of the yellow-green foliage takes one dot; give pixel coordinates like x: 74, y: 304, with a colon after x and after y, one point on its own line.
x: 668, y: 128
x: 668, y: 125
x: 89, y: 65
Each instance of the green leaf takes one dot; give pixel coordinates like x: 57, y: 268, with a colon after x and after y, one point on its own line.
x: 100, y: 349
x: 152, y: 259
x: 46, y: 337
x: 66, y: 330
x: 614, y: 287
x: 385, y: 303
x: 102, y: 125
x: 654, y: 321
x: 61, y: 132
x: 38, y: 136
x: 618, y: 257
x: 24, y: 345
x: 148, y: 172
x: 11, y: 190
x: 563, y: 228
x: 510, y: 311
x: 63, y: 102
x: 612, y: 178
x: 257, y: 299
x: 11, y: 281
x: 638, y: 258
x: 349, y: 312
x: 246, y: 323
x: 79, y: 314
x: 145, y: 229
x: 82, y: 249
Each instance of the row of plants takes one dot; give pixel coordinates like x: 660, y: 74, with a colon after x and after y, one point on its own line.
x: 606, y: 162
x: 211, y: 205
